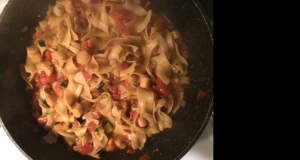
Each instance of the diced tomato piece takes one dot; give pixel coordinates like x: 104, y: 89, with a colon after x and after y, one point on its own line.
x: 75, y: 123
x: 47, y: 55
x: 86, y: 75
x: 94, y: 1
x: 124, y: 138
x: 86, y: 149
x: 42, y: 121
x: 133, y: 115
x: 200, y: 95
x: 127, y: 130
x: 124, y: 30
x: 119, y: 107
x: 159, y: 82
x: 145, y: 157
x: 163, y: 89
x: 91, y: 126
x: 125, y: 83
x: 184, y: 51
x: 95, y: 93
x: 90, y: 44
x: 116, y: 93
x: 38, y: 34
x: 123, y: 16
x: 35, y: 103
x: 116, y: 96
x: 57, y: 88
x: 80, y: 66
x: 96, y: 114
x: 131, y: 151
x: 9, y: 72
x: 119, y: 92
x: 44, y: 79
x: 110, y: 145
x: 85, y: 47
x: 113, y: 89
x: 123, y: 66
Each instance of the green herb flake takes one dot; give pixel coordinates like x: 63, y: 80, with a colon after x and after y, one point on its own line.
x: 41, y: 43
x: 63, y: 84
x: 108, y: 128
x: 100, y: 88
x: 62, y: 49
x: 49, y: 111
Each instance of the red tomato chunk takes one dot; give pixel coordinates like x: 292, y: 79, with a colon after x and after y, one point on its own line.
x: 163, y: 89
x: 91, y: 126
x: 86, y: 149
x: 44, y: 79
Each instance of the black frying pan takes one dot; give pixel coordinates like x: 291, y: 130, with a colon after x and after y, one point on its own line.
x: 188, y: 122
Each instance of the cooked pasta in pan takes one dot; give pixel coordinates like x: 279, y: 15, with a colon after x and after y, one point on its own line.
x: 106, y: 74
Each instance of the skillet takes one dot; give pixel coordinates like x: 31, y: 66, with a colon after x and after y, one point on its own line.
x: 188, y: 123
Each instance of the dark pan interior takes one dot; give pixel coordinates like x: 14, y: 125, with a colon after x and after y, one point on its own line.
x: 188, y: 122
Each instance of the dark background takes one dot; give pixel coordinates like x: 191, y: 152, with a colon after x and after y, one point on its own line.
x: 208, y: 6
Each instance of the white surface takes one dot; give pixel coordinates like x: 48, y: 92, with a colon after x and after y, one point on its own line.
x: 8, y: 150
x: 202, y: 150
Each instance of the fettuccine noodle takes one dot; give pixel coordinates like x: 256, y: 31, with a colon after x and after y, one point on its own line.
x: 107, y: 74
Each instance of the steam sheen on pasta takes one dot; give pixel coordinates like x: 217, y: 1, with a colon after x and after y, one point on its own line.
x: 105, y: 74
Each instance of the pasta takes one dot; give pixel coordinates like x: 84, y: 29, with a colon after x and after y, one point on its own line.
x: 107, y: 74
